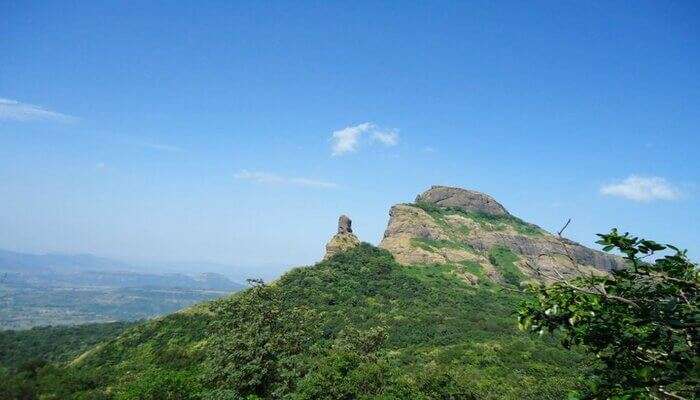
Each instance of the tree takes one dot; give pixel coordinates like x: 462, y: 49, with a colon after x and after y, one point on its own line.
x: 640, y: 322
x: 260, y: 343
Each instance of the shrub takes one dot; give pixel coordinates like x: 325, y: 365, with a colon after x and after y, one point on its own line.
x: 161, y: 385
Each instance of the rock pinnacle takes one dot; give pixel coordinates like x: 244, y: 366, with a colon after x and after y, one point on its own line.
x: 343, y: 240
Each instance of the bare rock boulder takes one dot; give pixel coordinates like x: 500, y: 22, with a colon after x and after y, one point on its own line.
x: 466, y: 200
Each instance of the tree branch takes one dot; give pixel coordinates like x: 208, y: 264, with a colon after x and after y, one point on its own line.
x: 562, y: 229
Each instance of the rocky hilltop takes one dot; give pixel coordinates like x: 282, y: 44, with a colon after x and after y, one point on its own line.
x: 448, y: 225
x: 463, y: 199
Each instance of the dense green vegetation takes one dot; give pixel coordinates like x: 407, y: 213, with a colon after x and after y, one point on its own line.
x: 486, y: 221
x: 54, y: 343
x: 355, y: 326
x: 640, y: 322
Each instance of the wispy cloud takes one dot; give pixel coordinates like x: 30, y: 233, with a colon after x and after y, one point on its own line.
x: 642, y: 189
x: 347, y: 140
x: 12, y: 110
x: 274, y: 179
x: 161, y: 147
x: 312, y: 183
x: 388, y: 138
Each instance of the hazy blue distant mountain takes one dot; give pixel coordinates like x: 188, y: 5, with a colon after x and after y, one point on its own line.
x: 238, y: 273
x: 13, y: 261
x: 60, y: 289
x: 89, y: 270
x: 101, y: 268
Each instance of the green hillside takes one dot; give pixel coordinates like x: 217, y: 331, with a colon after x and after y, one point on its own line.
x: 54, y: 343
x: 356, y: 326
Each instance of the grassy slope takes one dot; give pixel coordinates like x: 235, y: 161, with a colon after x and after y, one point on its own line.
x: 486, y: 221
x: 438, y: 337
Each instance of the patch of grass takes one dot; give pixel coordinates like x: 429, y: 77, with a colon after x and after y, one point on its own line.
x: 504, y: 260
x: 430, y: 208
x: 433, y: 244
x: 462, y: 230
x: 435, y: 212
x: 431, y: 274
x: 438, y: 214
x: 487, y: 221
x: 473, y: 267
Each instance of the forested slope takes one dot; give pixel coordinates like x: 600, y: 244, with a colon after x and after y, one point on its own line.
x: 358, y: 325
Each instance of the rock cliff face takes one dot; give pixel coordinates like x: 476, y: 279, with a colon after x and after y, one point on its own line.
x: 449, y: 225
x: 343, y: 240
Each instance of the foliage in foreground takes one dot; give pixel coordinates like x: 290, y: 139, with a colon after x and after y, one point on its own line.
x: 640, y: 322
x: 356, y: 326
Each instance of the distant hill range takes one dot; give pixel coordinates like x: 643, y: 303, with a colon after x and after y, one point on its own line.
x: 61, y: 289
x: 88, y: 270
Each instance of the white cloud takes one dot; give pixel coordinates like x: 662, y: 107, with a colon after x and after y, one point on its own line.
x: 274, y: 179
x: 11, y: 110
x: 347, y: 140
x: 642, y: 189
x: 388, y: 138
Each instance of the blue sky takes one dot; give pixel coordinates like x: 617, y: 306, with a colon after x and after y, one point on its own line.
x: 237, y: 132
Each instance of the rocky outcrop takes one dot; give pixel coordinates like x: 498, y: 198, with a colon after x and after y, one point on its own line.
x: 466, y: 200
x: 457, y: 226
x: 343, y: 240
x: 344, y: 224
